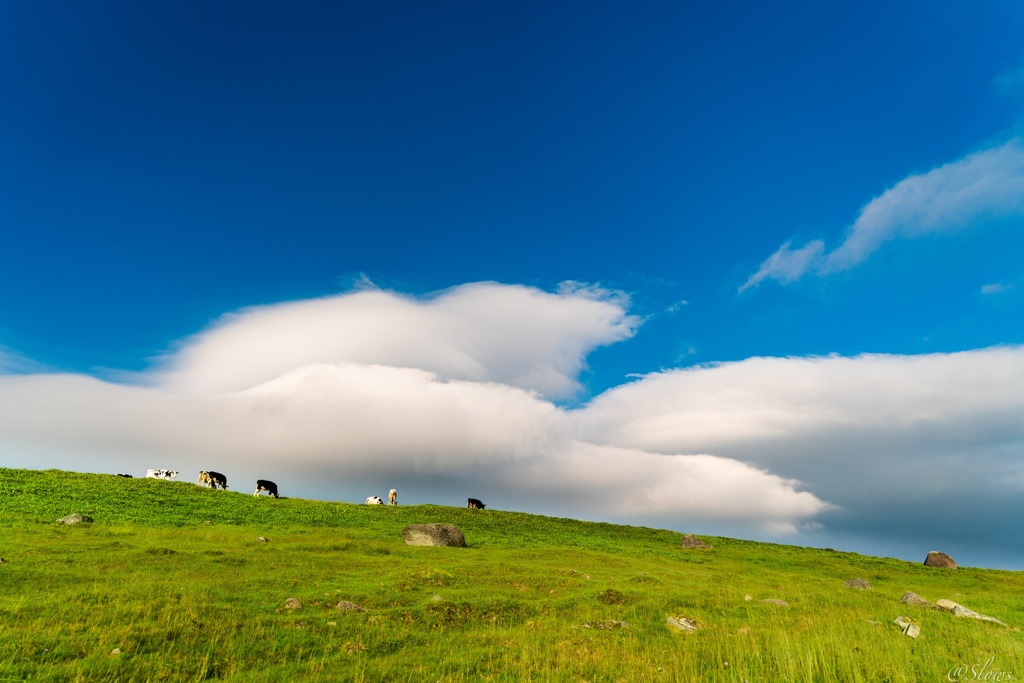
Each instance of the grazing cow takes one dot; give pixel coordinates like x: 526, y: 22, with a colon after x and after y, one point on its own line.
x: 393, y: 497
x: 474, y: 504
x: 161, y: 474
x: 213, y: 479
x: 268, y: 486
x: 374, y: 500
x: 126, y: 475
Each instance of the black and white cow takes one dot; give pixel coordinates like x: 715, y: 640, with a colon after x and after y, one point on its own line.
x: 213, y: 479
x: 268, y: 486
x: 374, y: 500
x: 161, y: 474
x: 474, y: 504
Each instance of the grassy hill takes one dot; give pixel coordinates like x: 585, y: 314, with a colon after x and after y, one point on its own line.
x: 170, y: 582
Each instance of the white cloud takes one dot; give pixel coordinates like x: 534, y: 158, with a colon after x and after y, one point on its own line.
x: 787, y: 265
x: 516, y: 335
x: 867, y: 430
x: 982, y: 186
x: 995, y: 288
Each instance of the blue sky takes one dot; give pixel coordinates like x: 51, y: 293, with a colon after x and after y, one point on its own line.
x: 647, y: 263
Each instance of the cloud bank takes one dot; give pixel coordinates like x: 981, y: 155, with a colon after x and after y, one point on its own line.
x: 980, y: 187
x: 451, y: 396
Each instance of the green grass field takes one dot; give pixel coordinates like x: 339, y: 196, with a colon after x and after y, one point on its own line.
x: 150, y: 592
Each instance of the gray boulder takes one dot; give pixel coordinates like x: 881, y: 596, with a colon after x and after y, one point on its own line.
x: 859, y: 584
x: 941, y: 560
x: 912, y: 598
x: 74, y: 519
x: 446, y: 535
x: 691, y: 541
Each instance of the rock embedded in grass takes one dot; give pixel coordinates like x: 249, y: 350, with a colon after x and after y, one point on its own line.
x: 691, y: 541
x: 912, y: 598
x: 444, y: 535
x: 859, y: 584
x: 959, y: 610
x: 347, y: 606
x: 908, y: 627
x: 292, y: 603
x: 682, y: 623
x: 74, y: 518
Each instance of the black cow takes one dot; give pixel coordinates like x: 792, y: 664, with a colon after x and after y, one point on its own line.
x: 213, y: 479
x: 268, y: 486
x: 474, y: 504
x: 126, y: 475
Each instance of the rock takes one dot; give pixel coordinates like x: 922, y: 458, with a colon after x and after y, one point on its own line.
x: 609, y: 625
x: 908, y: 627
x: 347, y: 606
x: 115, y: 652
x: 912, y: 598
x: 682, y: 623
x: 446, y: 535
x: 292, y: 603
x: 941, y: 560
x: 959, y: 610
x: 776, y: 601
x: 859, y: 584
x: 74, y: 519
x: 748, y: 597
x: 691, y: 541
x: 207, y: 523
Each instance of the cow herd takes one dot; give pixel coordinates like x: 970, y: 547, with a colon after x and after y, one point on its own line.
x: 215, y: 479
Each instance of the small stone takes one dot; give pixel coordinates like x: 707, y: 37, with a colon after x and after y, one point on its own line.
x: 115, y: 652
x: 776, y: 601
x: 292, y: 603
x: 682, y: 623
x: 908, y: 627
x: 748, y: 597
x: 436, y: 598
x: 859, y: 584
x: 207, y: 523
x: 74, y: 518
x: 347, y: 606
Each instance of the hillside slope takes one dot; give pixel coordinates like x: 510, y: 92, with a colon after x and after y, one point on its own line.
x: 171, y: 582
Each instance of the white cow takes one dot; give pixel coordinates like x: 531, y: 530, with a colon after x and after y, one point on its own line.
x: 161, y: 474
x: 393, y: 497
x: 374, y: 500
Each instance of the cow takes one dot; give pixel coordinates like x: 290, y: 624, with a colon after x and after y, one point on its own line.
x: 126, y: 475
x: 213, y: 479
x: 374, y: 500
x: 268, y: 486
x: 392, y: 497
x: 474, y: 504
x: 161, y: 474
